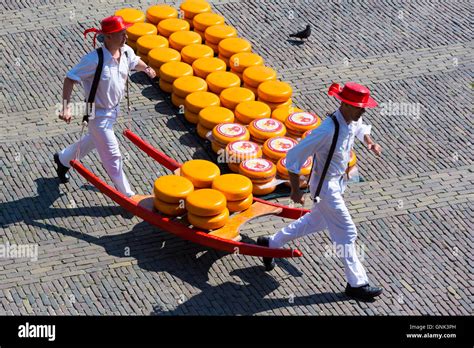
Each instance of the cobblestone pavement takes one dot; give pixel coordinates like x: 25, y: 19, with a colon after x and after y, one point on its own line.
x: 413, y: 211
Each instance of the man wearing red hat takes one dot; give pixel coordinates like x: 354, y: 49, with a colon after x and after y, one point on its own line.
x: 330, y: 145
x: 105, y: 92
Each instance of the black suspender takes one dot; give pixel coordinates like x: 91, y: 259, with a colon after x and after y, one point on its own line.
x: 95, y: 84
x: 328, y: 159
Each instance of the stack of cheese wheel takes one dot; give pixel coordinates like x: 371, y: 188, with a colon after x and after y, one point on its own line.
x: 171, y: 25
x: 215, y: 34
x: 299, y: 122
x: 160, y: 56
x: 194, y: 104
x: 260, y: 171
x: 305, y: 171
x: 282, y: 113
x: 131, y: 15
x: 234, y: 96
x: 191, y: 53
x: 231, y: 46
x: 169, y: 72
x: 265, y: 128
x: 148, y: 42
x: 204, y: 66
x: 155, y: 14
x: 277, y: 147
x: 255, y: 75
x: 305, y: 134
x: 225, y: 133
x: 203, y: 21
x: 201, y: 172
x: 275, y: 93
x: 211, y: 116
x: 220, y: 80
x: 181, y: 39
x: 207, y: 209
x: 247, y: 112
x: 237, y: 190
x: 170, y: 194
x: 192, y: 8
x: 241, y: 61
x: 184, y: 86
x: 352, y: 161
x: 239, y: 151
x: 138, y: 30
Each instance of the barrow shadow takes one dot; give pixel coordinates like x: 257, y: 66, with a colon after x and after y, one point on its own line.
x: 295, y: 42
x: 140, y: 78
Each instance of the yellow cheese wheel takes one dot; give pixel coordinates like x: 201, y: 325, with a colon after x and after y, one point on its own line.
x: 177, y: 100
x: 229, y: 47
x: 132, y: 44
x: 258, y: 169
x: 172, y: 70
x: 233, y: 96
x: 139, y: 29
x: 161, y: 55
x: 211, y: 116
x: 183, y: 86
x: 248, y: 111
x: 242, y: 150
x: 206, y: 202
x: 293, y: 134
x: 253, y: 89
x: 240, y: 205
x: 217, y: 148
x: 193, y: 8
x: 197, y: 101
x: 202, y: 131
x: 277, y: 147
x: 131, y: 15
x: 305, y: 134
x: 146, y: 43
x: 235, y: 187
x: 302, y: 121
x: 283, y: 171
x: 225, y: 133
x: 166, y: 86
x: 201, y: 34
x: 191, y: 53
x: 214, y: 47
x: 211, y: 222
x: 226, y: 61
x: 181, y: 39
x: 241, y: 61
x: 191, y: 117
x: 155, y: 14
x: 172, y: 188
x: 171, y: 25
x: 201, y: 172
x: 217, y: 33
x: 143, y: 57
x: 353, y: 159
x: 203, y: 21
x: 274, y: 91
x: 274, y: 106
x: 266, y: 128
x: 257, y: 191
x: 234, y: 167
x: 281, y: 113
x: 220, y: 80
x: 172, y: 209
x: 190, y: 22
x: 255, y: 75
x: 204, y: 66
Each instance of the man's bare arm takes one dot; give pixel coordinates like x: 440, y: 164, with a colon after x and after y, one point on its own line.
x: 142, y: 66
x: 297, y: 195
x: 67, y: 91
x: 372, y: 146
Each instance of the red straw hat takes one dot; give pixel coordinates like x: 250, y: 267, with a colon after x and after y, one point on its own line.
x: 109, y: 25
x: 353, y: 94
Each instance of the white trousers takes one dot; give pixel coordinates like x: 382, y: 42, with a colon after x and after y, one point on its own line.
x: 101, y: 136
x: 331, y: 213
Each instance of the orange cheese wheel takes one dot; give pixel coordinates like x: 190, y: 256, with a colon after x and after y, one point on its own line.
x: 217, y: 148
x: 240, y: 205
x: 197, y: 101
x: 140, y: 29
x: 191, y: 117
x: 166, y: 86
x: 257, y: 191
x: 211, y: 116
x: 155, y: 14
x: 131, y: 15
x: 229, y: 47
x: 248, y: 111
x: 258, y: 169
x: 148, y: 42
x: 181, y: 39
x: 220, y: 80
x: 233, y: 96
x: 226, y: 61
x: 234, y: 167
x: 253, y: 89
x: 204, y: 66
x: 274, y: 91
x: 274, y: 106
x: 161, y: 55
x: 235, y: 187
x: 302, y: 121
x: 216, y: 33
x: 206, y: 202
x: 202, y: 131
x: 211, y: 222
x: 201, y: 34
x: 241, y: 61
x: 201, y: 172
x: 172, y: 188
x: 225, y: 133
x: 266, y: 128
x: 190, y: 22
x: 169, y: 26
x: 143, y: 57
x: 281, y: 113
x: 183, y: 86
x: 215, y: 48
x: 172, y: 209
x: 283, y: 171
x: 241, y: 150
x: 205, y: 20
x: 191, y: 53
x: 173, y: 70
x: 277, y: 147
x: 177, y: 100
x: 193, y: 8
x: 255, y: 75
x: 294, y: 134
x: 132, y: 44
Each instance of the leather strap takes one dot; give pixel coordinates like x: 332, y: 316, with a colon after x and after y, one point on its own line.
x: 95, y: 84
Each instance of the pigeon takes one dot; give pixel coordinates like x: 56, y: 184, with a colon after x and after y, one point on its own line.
x: 303, y: 34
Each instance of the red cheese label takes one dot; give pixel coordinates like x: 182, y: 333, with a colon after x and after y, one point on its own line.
x: 231, y: 130
x: 303, y: 119
x: 306, y: 164
x: 268, y: 125
x: 243, y: 147
x: 259, y: 165
x: 281, y: 144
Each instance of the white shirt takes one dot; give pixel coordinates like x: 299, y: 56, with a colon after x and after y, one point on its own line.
x: 319, y: 142
x: 112, y: 81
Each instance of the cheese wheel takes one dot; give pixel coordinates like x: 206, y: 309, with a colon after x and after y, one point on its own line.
x: 217, y: 33
x: 240, y: 205
x: 177, y: 100
x: 155, y: 14
x: 225, y: 60
x: 139, y: 29
x: 217, y: 148
x: 353, y: 160
x: 191, y: 117
x: 257, y: 191
x: 274, y: 91
x: 146, y: 43
x: 201, y: 34
x: 202, y: 131
x: 132, y: 44
x: 143, y: 57
x: 241, y: 150
x: 181, y: 39
x: 229, y: 47
x: 197, y: 101
x: 206, y: 202
x: 172, y: 188
x: 169, y: 26
x: 220, y: 80
x: 214, y: 47
x: 233, y: 96
x: 131, y: 15
x: 193, y: 8
x: 302, y: 121
x: 266, y: 128
x: 201, y: 173
x: 255, y: 75
x: 248, y: 111
x: 235, y: 187
x: 172, y: 209
x: 281, y: 113
x: 183, y: 86
x: 234, y: 167
x: 277, y: 147
x: 225, y: 133
x: 241, y: 61
x: 253, y: 89
x: 274, y: 106
x: 166, y: 86
x: 191, y: 53
x: 258, y: 169
x: 293, y: 134
x: 173, y: 70
x: 211, y: 116
x: 161, y: 55
x: 283, y: 171
x: 211, y: 222
x: 204, y: 66
x: 203, y: 21
x: 190, y: 22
